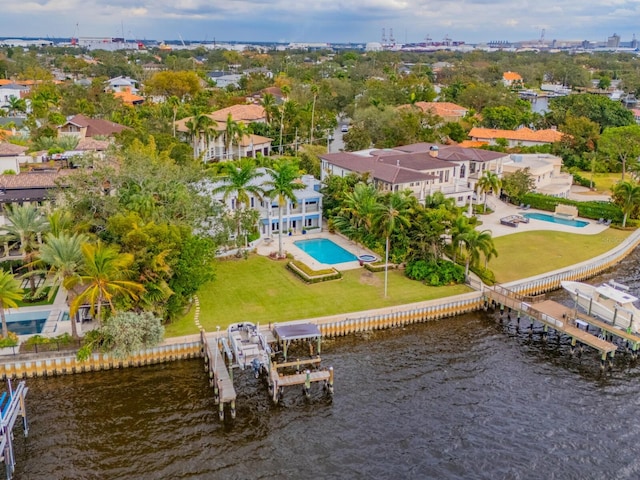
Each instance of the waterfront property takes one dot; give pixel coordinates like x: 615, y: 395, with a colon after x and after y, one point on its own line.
x: 545, y: 217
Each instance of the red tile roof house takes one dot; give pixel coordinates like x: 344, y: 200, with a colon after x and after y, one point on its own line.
x: 423, y: 168
x: 11, y: 156
x: 449, y: 112
x: 524, y: 137
x: 216, y: 149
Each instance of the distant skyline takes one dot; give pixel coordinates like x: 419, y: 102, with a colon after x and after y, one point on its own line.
x: 339, y: 21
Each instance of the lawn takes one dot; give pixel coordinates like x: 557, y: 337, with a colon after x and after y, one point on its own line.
x: 604, y: 181
x: 263, y: 290
x: 526, y: 254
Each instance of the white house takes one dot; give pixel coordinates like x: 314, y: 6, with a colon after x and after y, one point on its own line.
x: 545, y: 172
x: 298, y: 216
x: 10, y: 90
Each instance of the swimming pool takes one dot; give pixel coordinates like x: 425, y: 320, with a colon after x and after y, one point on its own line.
x: 561, y: 221
x: 26, y: 323
x: 325, y: 251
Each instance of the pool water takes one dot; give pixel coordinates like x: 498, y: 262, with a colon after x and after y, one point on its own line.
x: 26, y: 323
x: 325, y: 251
x: 551, y: 219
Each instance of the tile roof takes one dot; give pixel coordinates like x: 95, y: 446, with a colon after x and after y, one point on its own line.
x: 380, y: 170
x: 454, y: 152
x: 96, y: 126
x: 11, y: 150
x: 239, y: 113
x: 251, y: 139
x: 128, y: 97
x: 523, y: 134
x: 512, y: 76
x: 92, y: 144
x: 32, y: 179
x: 443, y: 109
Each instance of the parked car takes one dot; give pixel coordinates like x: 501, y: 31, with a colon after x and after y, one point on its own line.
x: 344, y: 128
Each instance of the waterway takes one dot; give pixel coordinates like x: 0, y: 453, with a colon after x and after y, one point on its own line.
x: 460, y: 398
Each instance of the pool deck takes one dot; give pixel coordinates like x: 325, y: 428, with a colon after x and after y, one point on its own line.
x: 265, y: 248
x: 500, y: 209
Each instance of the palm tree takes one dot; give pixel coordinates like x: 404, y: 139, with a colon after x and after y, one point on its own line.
x: 358, y: 210
x: 286, y: 90
x: 268, y: 102
x: 201, y: 128
x: 314, y: 90
x: 241, y: 131
x: 488, y: 182
x: 103, y: 273
x: 627, y: 195
x: 285, y: 180
x: 62, y: 253
x: 459, y: 229
x: 25, y: 226
x: 230, y: 129
x: 174, y: 103
x: 240, y: 181
x: 476, y: 242
x: 392, y: 215
x: 15, y: 104
x: 10, y: 291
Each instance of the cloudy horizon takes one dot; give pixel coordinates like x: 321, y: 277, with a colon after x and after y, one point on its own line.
x: 343, y: 21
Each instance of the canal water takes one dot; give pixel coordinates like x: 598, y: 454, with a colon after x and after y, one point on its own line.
x: 462, y: 398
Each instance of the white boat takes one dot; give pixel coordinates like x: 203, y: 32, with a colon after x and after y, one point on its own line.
x: 249, y: 346
x: 610, y: 302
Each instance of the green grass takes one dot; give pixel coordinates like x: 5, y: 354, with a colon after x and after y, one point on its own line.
x: 46, y: 301
x: 263, y: 290
x: 604, y: 181
x: 526, y: 254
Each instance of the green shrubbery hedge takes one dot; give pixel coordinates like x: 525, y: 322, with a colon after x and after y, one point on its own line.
x: 435, y: 274
x: 594, y: 210
x: 313, y: 276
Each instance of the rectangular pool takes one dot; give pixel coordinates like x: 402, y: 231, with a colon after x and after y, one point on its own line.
x: 325, y: 251
x: 561, y: 221
x: 27, y: 323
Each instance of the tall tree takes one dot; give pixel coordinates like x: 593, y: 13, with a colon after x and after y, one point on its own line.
x: 489, y: 181
x: 62, y: 253
x: 240, y: 180
x: 621, y: 144
x: 285, y: 180
x: 393, y: 214
x: 10, y: 292
x: 357, y: 213
x: 201, y: 129
x: 627, y: 195
x: 475, y: 243
x: 314, y: 91
x: 103, y: 276
x: 26, y: 225
x: 268, y: 102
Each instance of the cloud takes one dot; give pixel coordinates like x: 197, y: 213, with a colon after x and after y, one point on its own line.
x: 321, y: 20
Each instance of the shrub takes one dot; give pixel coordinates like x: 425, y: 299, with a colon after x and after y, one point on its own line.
x: 435, y: 274
x: 592, y: 209
x: 580, y: 180
x: 31, y: 297
x: 11, y: 340
x: 313, y: 276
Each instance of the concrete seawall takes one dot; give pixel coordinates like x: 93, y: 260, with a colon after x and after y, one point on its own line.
x: 332, y: 326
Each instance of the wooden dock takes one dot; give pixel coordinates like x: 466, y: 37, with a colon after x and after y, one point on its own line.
x: 12, y: 405
x: 560, y: 318
x: 223, y: 390
x: 279, y: 380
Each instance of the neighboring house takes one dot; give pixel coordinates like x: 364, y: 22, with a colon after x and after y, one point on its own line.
x: 423, y: 168
x: 636, y: 114
x: 85, y: 127
x: 11, y: 156
x: 512, y: 79
x: 129, y: 98
x: 544, y: 170
x: 449, y: 112
x: 121, y: 84
x: 524, y: 137
x: 224, y: 79
x: 85, y: 146
x: 304, y: 213
x: 215, y: 148
x: 9, y: 90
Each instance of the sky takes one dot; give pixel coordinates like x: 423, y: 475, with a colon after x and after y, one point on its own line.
x: 336, y: 21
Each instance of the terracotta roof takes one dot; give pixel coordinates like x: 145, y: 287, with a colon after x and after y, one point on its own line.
x: 96, y: 126
x: 92, y: 144
x: 32, y: 179
x: 443, y: 109
x: 512, y: 76
x: 11, y: 150
x: 472, y: 144
x: 454, y: 152
x: 523, y: 134
x: 240, y: 113
x: 129, y: 98
x: 251, y: 139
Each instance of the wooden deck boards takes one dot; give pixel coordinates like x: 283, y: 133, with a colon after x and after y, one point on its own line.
x: 226, y: 389
x: 300, y: 378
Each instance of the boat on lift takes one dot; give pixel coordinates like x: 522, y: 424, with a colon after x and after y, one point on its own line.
x: 610, y: 302
x: 249, y: 347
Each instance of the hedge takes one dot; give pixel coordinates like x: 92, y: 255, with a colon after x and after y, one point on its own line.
x: 594, y: 210
x: 313, y: 276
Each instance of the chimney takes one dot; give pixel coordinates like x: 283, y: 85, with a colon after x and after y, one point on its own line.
x: 398, y: 162
x: 433, y: 151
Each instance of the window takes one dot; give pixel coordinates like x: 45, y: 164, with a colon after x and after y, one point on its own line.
x: 446, y: 176
x: 462, y: 171
x: 253, y: 202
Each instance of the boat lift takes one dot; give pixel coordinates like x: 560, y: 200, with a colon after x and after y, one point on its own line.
x: 12, y: 404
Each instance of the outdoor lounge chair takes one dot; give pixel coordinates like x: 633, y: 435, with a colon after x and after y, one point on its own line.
x: 521, y: 205
x: 600, y: 220
x: 526, y: 207
x: 607, y: 222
